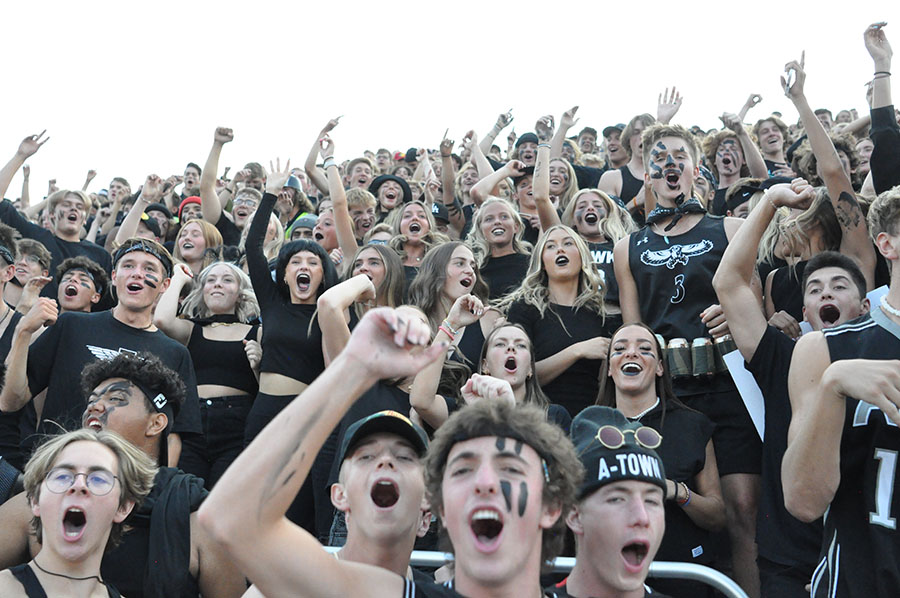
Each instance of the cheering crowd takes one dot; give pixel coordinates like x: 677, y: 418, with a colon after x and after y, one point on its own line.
x: 510, y: 354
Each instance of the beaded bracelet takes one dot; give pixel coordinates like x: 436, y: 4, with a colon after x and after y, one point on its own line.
x: 686, y: 501
x: 450, y: 329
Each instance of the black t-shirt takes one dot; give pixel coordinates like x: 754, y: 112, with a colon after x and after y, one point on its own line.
x: 231, y: 234
x: 773, y: 167
x: 560, y: 327
x: 786, y: 293
x: 780, y: 536
x: 685, y: 434
x: 504, y: 274
x: 718, y: 202
x: 603, y: 259
x: 561, y: 591
x: 588, y: 176
x: 631, y: 185
x: 57, y: 357
x: 860, y: 554
x: 59, y: 249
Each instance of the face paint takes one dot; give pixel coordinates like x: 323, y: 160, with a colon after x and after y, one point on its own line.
x: 123, y: 387
x: 657, y: 171
x: 501, y: 444
x: 506, y: 488
x: 523, y: 498
x: 518, y: 447
x: 151, y: 280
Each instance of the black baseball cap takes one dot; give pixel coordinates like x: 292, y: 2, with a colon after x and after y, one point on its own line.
x: 389, y: 421
x: 607, y: 131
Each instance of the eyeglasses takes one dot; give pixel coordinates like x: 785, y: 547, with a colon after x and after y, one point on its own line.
x: 244, y: 201
x: 100, y: 481
x: 31, y: 259
x: 612, y: 437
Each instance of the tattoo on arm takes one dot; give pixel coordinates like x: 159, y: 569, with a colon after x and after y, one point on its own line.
x: 847, y: 212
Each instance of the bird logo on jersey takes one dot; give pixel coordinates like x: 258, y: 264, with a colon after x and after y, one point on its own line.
x: 104, y: 353
x: 676, y: 254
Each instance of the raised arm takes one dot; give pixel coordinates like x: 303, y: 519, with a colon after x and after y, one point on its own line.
x: 27, y: 148
x: 855, y: 240
x: 668, y: 106
x: 541, y: 186
x: 343, y: 223
x: 166, y: 315
x: 448, y: 183
x: 110, y: 222
x: 312, y: 172
x: 245, y: 512
x: 503, y: 121
x: 333, y: 306
x: 628, y: 293
x: 257, y: 264
x: 15, y: 393
x: 567, y: 121
x: 885, y: 133
x: 25, y: 200
x: 478, y: 158
x: 752, y: 155
x: 151, y: 191
x: 210, y: 205
x: 734, y: 279
x: 752, y: 101
x: 87, y: 179
x: 485, y: 187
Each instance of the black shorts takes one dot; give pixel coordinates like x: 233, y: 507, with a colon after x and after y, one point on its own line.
x: 737, y: 444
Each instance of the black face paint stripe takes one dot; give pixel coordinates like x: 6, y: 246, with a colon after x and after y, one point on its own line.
x: 151, y: 280
x: 501, y: 444
x: 518, y: 447
x: 523, y: 498
x: 506, y: 488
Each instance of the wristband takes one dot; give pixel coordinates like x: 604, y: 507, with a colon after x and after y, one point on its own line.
x: 684, y: 502
x: 443, y: 329
x: 450, y: 328
x: 328, y: 162
x: 547, y: 145
x: 885, y: 73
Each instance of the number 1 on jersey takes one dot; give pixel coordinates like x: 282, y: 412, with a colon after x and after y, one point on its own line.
x: 884, y: 489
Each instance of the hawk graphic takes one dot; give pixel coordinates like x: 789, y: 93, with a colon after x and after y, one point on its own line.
x: 104, y: 353
x: 676, y: 254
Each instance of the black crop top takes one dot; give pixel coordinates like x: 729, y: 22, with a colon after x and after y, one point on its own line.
x: 291, y: 347
x: 222, y: 362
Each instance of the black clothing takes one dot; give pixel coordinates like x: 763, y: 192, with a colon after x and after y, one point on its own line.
x: 504, y: 274
x: 153, y: 560
x: 530, y: 234
x: 786, y: 292
x: 223, y: 420
x: 410, y: 273
x: 885, y: 159
x: 773, y: 167
x: 718, y: 203
x: 631, y: 185
x: 782, y: 581
x: 33, y: 588
x: 59, y: 249
x: 560, y: 327
x: 561, y: 591
x: 231, y: 234
x: 222, y: 362
x: 587, y: 176
x: 468, y: 349
x: 57, y: 357
x: 287, y: 347
x: 603, y: 259
x: 9, y: 422
x: 781, y: 538
x: 861, y: 547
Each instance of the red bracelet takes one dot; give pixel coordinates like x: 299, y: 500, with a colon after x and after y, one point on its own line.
x: 447, y: 332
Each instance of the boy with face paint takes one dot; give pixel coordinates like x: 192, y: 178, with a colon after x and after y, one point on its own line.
x: 54, y: 362
x: 68, y: 210
x: 485, y: 470
x: 663, y: 271
x: 732, y: 154
x: 82, y: 283
x: 138, y: 397
x: 619, y: 519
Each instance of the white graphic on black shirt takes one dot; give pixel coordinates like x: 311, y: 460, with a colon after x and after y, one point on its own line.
x: 676, y: 254
x: 104, y: 353
x: 679, y: 289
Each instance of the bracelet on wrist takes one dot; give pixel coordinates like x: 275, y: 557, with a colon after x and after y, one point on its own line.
x: 683, y: 502
x: 544, y: 144
x: 453, y: 331
x: 443, y: 329
x: 769, y: 199
x: 885, y: 73
x: 446, y: 155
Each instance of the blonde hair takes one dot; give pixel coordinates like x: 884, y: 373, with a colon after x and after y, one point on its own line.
x: 135, y: 474
x: 246, y: 307
x: 535, y: 290
x: 480, y: 246
x: 58, y: 196
x: 360, y: 197
x: 429, y: 239
x: 618, y: 223
x: 271, y: 249
x: 571, y: 185
x: 211, y: 236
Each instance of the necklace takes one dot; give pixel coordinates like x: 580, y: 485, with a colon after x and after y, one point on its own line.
x: 645, y: 411
x: 9, y: 310
x: 89, y: 577
x: 889, y: 308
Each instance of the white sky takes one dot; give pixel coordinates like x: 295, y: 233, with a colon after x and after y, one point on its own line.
x: 133, y: 88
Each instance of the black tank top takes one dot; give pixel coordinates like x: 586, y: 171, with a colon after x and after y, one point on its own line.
x: 787, y: 295
x: 33, y: 587
x: 631, y: 186
x: 673, y: 276
x: 222, y: 362
x: 861, y: 545
x: 603, y: 259
x: 9, y: 422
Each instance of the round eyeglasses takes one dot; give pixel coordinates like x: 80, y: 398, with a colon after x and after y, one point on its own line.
x: 612, y: 437
x: 100, y: 481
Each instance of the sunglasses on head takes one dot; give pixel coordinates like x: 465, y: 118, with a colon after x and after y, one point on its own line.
x: 613, y: 438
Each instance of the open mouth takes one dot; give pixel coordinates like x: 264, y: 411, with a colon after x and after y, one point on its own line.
x: 591, y: 218
x: 632, y: 369
x: 187, y: 245
x: 726, y: 161
x: 562, y: 261
x: 466, y: 282
x: 72, y: 217
x: 385, y: 494
x: 390, y: 195
x: 303, y: 280
x: 829, y: 314
x: 241, y: 213
x: 635, y: 553
x: 511, y: 366
x: 134, y: 287
x: 415, y: 228
x: 94, y: 424
x: 672, y: 178
x: 498, y: 231
x: 71, y: 290
x: 73, y: 523
x: 486, y: 524
x: 555, y: 181
x: 318, y: 237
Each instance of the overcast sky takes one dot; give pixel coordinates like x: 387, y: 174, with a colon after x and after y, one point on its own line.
x: 133, y: 88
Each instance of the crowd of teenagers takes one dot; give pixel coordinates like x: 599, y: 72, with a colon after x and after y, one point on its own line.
x: 510, y: 355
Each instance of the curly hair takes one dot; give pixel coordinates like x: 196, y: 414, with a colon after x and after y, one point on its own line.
x: 711, y: 145
x: 246, y: 308
x: 805, y: 163
x: 143, y: 369
x: 135, y: 474
x: 81, y: 262
x: 529, y: 424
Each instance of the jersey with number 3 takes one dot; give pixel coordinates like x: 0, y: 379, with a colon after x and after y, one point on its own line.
x: 861, y: 544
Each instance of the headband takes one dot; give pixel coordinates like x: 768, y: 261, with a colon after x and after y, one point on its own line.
x: 142, y: 245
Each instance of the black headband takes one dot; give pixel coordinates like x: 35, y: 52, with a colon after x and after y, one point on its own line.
x: 7, y: 255
x: 146, y: 248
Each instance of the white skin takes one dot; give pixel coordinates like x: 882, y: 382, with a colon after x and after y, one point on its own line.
x: 77, y: 291
x: 671, y: 171
x: 460, y: 273
x: 414, y: 223
x: 139, y: 279
x: 303, y: 276
x: 369, y: 262
x: 614, y: 148
x: 191, y: 243
x: 508, y: 357
x: 559, y: 177
x: 221, y: 290
x: 27, y: 267
x: 324, y: 233
x: 243, y: 208
x: 68, y: 217
x: 191, y: 211
x: 117, y: 189
x: 390, y: 194
x: 361, y: 175
x: 162, y: 220
x: 499, y: 227
x: 191, y: 177
x: 363, y: 219
x: 472, y: 488
x: 560, y: 258
x: 831, y: 298
x: 589, y: 212
x: 528, y: 153
x: 771, y: 140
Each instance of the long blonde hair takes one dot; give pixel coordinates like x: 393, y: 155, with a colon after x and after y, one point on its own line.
x: 480, y: 246
x: 571, y: 185
x: 246, y: 307
x: 618, y: 223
